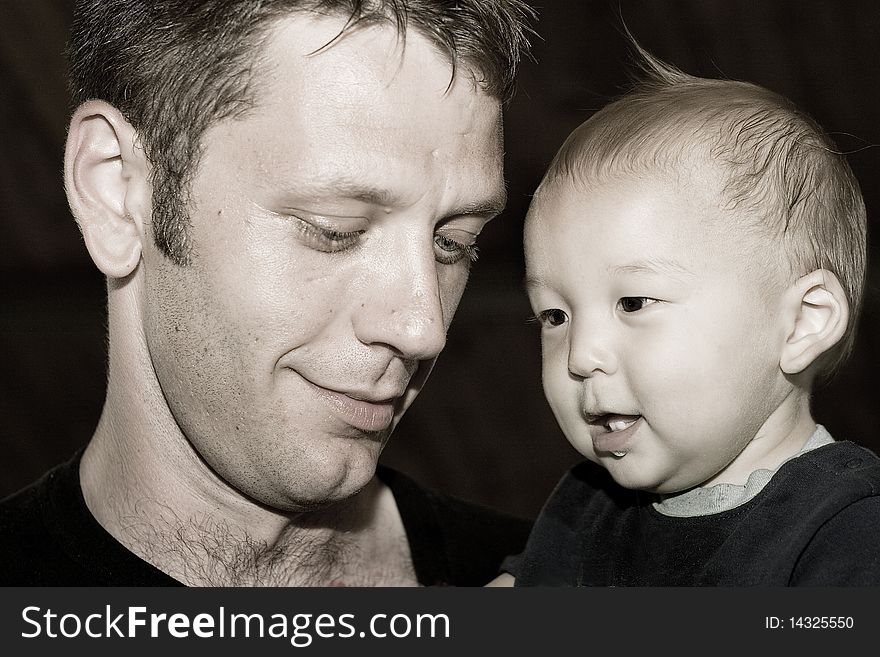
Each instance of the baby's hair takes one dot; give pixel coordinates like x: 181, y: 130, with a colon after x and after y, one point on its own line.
x: 775, y: 162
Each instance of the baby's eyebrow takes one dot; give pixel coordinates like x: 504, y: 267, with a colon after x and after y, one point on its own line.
x: 532, y: 281
x: 652, y: 266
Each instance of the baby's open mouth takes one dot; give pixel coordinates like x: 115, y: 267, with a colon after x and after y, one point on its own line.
x: 621, y: 422
x: 613, y: 421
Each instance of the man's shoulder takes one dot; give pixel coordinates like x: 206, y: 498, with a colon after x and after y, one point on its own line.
x: 20, y: 510
x: 48, y: 537
x: 26, y: 538
x: 453, y: 541
x: 23, y: 510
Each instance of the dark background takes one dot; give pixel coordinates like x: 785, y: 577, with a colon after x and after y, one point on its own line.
x: 481, y: 429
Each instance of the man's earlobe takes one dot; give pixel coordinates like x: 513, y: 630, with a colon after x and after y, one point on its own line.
x: 106, y: 179
x: 818, y: 313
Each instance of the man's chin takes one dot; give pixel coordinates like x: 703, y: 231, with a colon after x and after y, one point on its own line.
x: 323, y: 488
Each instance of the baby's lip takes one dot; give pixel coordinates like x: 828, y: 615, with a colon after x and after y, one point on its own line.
x: 595, y: 418
x: 605, y: 419
x: 617, y: 435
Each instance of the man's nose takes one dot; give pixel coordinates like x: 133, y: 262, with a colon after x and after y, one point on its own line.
x: 403, y: 307
x: 591, y: 349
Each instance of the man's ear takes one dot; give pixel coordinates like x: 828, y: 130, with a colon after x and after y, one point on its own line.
x: 817, y: 313
x: 107, y: 184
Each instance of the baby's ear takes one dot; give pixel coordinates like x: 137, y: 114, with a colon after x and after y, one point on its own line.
x: 817, y: 315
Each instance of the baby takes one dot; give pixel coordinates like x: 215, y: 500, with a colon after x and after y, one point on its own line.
x: 695, y: 256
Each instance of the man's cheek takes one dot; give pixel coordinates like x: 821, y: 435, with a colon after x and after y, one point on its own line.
x: 452, y: 288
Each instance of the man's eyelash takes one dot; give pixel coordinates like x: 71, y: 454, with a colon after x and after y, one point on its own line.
x: 333, y: 241
x: 325, y: 239
x: 471, y: 252
x: 458, y: 251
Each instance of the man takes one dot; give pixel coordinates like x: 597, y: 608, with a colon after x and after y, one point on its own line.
x: 284, y: 198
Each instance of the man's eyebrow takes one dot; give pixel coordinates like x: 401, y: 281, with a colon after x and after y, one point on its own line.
x: 489, y: 208
x: 351, y: 190
x: 651, y: 266
x: 378, y: 196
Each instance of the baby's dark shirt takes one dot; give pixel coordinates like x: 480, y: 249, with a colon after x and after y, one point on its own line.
x: 814, y: 524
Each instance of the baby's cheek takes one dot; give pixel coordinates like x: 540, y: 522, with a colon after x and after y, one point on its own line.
x: 554, y: 366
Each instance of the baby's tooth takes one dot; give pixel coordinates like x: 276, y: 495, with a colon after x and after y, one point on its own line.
x: 619, y: 425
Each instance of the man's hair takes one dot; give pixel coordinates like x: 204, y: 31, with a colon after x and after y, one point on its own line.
x: 176, y: 67
x: 774, y: 161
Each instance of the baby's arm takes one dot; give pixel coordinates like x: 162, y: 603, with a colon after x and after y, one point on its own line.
x: 504, y: 579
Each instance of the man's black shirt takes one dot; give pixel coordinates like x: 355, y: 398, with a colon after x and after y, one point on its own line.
x: 48, y: 537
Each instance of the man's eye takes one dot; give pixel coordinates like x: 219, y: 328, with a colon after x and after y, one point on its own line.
x: 552, y: 317
x: 634, y: 304
x: 448, y: 251
x: 325, y: 239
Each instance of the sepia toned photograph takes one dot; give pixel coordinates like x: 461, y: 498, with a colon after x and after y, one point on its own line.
x: 440, y: 293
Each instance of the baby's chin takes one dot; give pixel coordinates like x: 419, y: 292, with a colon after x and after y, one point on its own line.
x: 632, y: 477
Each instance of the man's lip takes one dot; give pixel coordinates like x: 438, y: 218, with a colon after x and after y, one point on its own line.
x: 371, y: 399
x: 367, y: 412
x: 385, y: 396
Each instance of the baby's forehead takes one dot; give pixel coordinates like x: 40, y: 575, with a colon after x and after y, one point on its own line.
x: 650, y: 211
x: 697, y: 188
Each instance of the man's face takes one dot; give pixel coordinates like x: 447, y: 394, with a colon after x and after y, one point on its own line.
x: 332, y: 229
x: 660, y: 333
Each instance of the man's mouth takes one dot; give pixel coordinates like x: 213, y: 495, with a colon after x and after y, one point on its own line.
x: 370, y: 412
x: 369, y: 416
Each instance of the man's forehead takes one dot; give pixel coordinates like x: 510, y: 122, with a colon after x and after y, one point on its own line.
x: 310, y: 60
x: 343, y: 124
x: 319, y: 32
x: 329, y: 43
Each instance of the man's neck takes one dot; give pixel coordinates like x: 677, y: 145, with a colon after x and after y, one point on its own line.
x: 200, y: 531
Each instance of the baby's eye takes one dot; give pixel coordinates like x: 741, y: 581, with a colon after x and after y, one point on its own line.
x: 552, y: 317
x: 634, y: 304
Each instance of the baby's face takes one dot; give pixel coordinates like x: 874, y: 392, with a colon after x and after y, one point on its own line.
x: 660, y: 331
